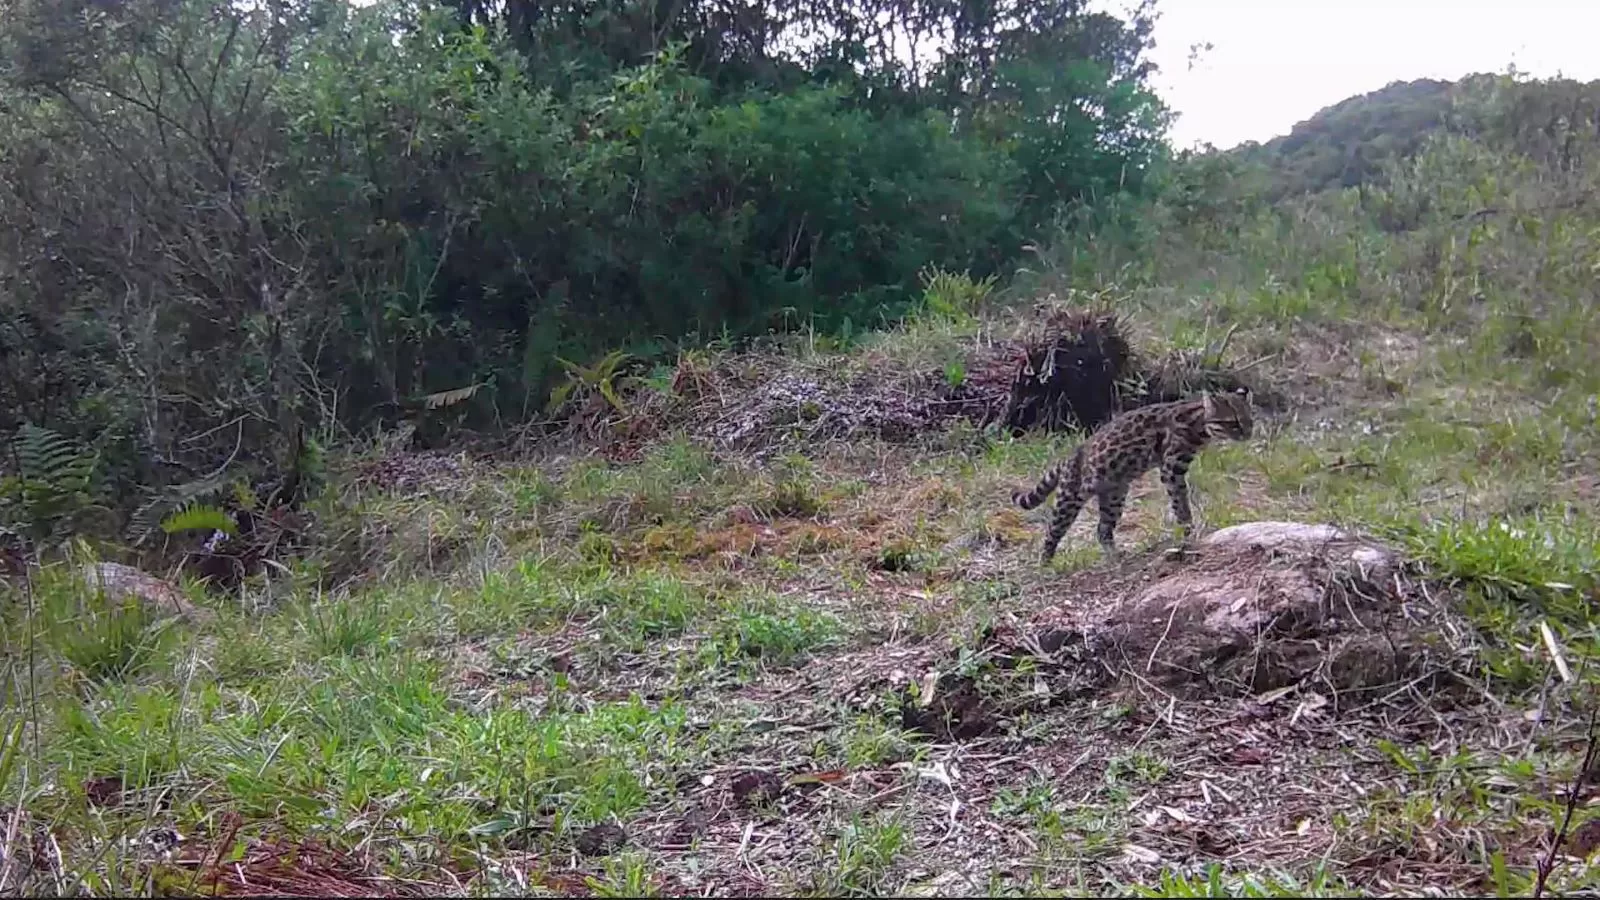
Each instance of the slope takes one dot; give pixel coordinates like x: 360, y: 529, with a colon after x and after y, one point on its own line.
x: 745, y: 653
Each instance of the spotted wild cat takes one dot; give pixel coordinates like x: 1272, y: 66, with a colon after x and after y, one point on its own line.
x: 1107, y: 464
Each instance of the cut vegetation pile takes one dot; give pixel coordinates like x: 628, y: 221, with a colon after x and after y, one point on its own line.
x: 1069, y: 376
x: 1066, y: 370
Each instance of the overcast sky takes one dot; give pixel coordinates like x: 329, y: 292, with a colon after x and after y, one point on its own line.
x: 1276, y: 62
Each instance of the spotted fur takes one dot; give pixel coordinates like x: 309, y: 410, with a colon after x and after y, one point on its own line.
x: 1164, y: 435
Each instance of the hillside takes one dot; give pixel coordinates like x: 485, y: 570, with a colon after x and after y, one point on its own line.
x: 1360, y: 139
x: 761, y: 620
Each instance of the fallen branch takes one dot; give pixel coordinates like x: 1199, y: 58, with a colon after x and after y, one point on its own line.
x: 1548, y: 864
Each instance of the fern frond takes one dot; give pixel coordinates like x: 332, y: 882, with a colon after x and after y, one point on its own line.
x: 559, y: 397
x: 245, y: 496
x: 147, y: 518
x: 450, y: 397
x: 608, y: 365
x: 199, y: 517
x: 608, y: 390
x: 54, y: 475
x: 51, y: 459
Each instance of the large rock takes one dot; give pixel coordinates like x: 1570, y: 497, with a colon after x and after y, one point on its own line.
x: 1268, y: 604
x: 1297, y: 537
x: 1251, y: 608
x: 118, y: 581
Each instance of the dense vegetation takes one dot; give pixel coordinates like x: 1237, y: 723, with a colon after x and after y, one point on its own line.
x: 1358, y: 140
x: 234, y: 228
x: 236, y: 239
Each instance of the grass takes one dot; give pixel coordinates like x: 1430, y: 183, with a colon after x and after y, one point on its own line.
x: 1215, y: 882
x: 462, y: 688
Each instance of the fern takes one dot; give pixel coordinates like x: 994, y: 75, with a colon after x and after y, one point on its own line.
x: 147, y: 518
x: 602, y: 378
x: 245, y: 496
x: 559, y: 397
x: 451, y: 397
x: 951, y: 296
x: 199, y: 517
x: 51, y: 461
x: 53, y: 479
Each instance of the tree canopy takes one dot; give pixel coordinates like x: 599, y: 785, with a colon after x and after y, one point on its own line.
x: 227, y: 223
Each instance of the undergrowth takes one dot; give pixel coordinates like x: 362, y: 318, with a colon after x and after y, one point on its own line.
x: 703, y: 648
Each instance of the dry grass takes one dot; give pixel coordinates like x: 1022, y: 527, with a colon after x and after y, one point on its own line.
x: 781, y: 638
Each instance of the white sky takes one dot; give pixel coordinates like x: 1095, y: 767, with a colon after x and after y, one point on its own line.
x: 1276, y: 62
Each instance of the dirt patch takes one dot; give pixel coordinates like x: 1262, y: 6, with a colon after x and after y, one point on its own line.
x: 1325, y: 369
x: 947, y: 709
x: 818, y: 409
x: 1251, y: 609
x: 419, y: 473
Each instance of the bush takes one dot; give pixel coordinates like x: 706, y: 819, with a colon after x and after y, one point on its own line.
x: 229, y: 232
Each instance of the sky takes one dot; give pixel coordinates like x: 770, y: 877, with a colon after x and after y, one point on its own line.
x: 1276, y: 62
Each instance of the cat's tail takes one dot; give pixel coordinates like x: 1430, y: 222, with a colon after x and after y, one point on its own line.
x: 1070, y: 468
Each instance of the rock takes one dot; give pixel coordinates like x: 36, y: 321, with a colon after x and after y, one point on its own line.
x: 1275, y: 534
x: 1254, y: 607
x: 1268, y: 604
x: 119, y: 581
x: 1368, y: 557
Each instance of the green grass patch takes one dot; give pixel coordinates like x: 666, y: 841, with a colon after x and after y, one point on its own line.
x: 775, y: 632
x: 99, y: 637
x: 1218, y: 881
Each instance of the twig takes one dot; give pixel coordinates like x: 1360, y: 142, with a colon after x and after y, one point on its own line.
x: 210, y: 431
x: 1256, y: 362
x: 1343, y: 465
x: 1151, y: 662
x: 1548, y: 864
x: 1555, y: 651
